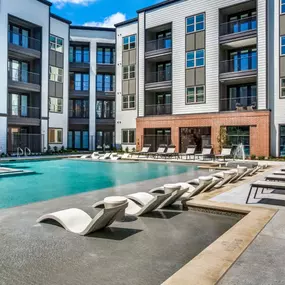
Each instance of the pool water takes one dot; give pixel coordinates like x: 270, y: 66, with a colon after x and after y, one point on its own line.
x: 57, y: 178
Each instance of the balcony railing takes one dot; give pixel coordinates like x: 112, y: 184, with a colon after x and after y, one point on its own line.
x: 238, y: 104
x: 23, y: 76
x: 74, y: 59
x: 159, y: 76
x: 79, y: 114
x: 163, y: 43
x: 238, y: 26
x: 158, y: 109
x: 24, y: 41
x: 24, y: 111
x: 105, y: 89
x: 242, y: 63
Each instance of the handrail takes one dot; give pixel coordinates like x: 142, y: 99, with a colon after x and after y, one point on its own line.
x: 19, y: 152
x: 27, y: 151
x: 24, y: 41
x: 241, y: 63
x: 158, y: 44
x: 23, y: 76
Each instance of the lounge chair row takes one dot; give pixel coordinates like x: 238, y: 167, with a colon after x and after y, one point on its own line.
x: 97, y: 156
x: 137, y: 204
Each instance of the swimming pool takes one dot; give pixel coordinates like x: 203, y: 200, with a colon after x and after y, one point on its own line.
x: 57, y: 178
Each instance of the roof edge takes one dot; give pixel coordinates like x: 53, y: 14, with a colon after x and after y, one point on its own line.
x: 45, y: 2
x: 90, y: 28
x: 60, y: 18
x: 130, y: 21
x: 158, y: 5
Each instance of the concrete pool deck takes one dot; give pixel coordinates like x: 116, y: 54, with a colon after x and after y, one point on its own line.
x: 234, y: 258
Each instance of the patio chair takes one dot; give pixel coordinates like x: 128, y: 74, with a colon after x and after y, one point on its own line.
x: 190, y: 151
x: 225, y: 176
x: 148, y: 204
x: 279, y: 173
x: 144, y: 151
x: 226, y: 153
x: 275, y: 177
x: 114, y: 156
x: 95, y: 155
x: 270, y: 185
x: 105, y: 156
x: 161, y: 149
x: 207, y: 152
x: 85, y: 156
x: 79, y: 222
x: 170, y: 152
x: 241, y: 171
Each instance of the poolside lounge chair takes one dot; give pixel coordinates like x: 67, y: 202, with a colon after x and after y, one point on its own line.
x: 225, y: 176
x: 105, y: 156
x: 207, y: 152
x: 275, y: 177
x: 226, y: 153
x: 161, y: 149
x: 114, y: 156
x: 270, y: 185
x: 95, y: 155
x: 279, y: 173
x: 148, y: 204
x: 170, y: 152
x: 144, y: 151
x: 79, y: 222
x: 191, y: 149
x: 241, y: 171
x: 85, y: 156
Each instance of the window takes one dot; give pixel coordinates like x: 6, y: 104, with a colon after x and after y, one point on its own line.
x: 129, y: 102
x: 78, y: 108
x: 55, y: 105
x: 20, y: 36
x: 105, y: 109
x: 282, y: 45
x: 79, y: 54
x: 55, y: 136
x: 282, y: 86
x: 129, y: 42
x: 282, y: 141
x: 195, y: 23
x: 56, y: 43
x: 79, y: 81
x: 129, y: 71
x: 55, y: 74
x: 106, y: 55
x: 238, y: 135
x: 105, y: 82
x: 195, y: 94
x: 19, y: 71
x: 78, y: 139
x: 195, y: 58
x: 282, y: 6
x: 128, y: 136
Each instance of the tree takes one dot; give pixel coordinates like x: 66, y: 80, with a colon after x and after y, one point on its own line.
x: 222, y: 138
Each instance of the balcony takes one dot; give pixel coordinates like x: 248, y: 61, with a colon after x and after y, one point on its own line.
x: 78, y: 117
x: 24, y: 47
x: 158, y: 80
x: 239, y: 33
x: 24, y: 80
x: 24, y: 115
x: 79, y: 89
x: 79, y: 65
x: 240, y: 68
x: 240, y: 104
x: 158, y: 109
x: 159, y: 47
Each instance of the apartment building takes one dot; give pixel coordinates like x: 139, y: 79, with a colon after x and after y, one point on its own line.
x: 202, y: 66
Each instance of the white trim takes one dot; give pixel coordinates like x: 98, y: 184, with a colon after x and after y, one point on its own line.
x: 195, y: 95
x: 195, y: 23
x: 195, y: 58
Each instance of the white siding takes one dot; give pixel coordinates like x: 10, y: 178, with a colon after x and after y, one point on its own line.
x: 141, y: 63
x: 124, y: 119
x: 3, y: 135
x: 56, y: 120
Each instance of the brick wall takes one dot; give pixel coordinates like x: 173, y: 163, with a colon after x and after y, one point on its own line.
x: 259, y: 122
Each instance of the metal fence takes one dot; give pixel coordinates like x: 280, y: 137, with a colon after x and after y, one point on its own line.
x: 32, y: 141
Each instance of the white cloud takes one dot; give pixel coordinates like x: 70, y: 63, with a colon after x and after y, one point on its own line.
x: 108, y: 22
x: 60, y: 3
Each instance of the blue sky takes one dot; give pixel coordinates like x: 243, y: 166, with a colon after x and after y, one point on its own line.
x: 98, y: 12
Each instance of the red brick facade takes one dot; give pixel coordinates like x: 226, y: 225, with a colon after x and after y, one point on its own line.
x: 259, y: 122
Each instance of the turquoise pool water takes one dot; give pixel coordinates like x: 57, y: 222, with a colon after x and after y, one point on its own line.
x: 57, y: 178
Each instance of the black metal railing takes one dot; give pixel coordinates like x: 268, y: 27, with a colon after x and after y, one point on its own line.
x: 238, y: 26
x: 163, y: 43
x: 23, y: 140
x: 238, y: 104
x: 105, y: 89
x: 24, y: 111
x: 242, y: 63
x: 23, y: 76
x: 24, y: 41
x: 159, y: 76
x: 74, y: 59
x: 158, y: 109
x: 80, y: 114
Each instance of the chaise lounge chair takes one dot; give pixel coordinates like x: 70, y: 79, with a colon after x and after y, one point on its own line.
x: 105, y: 156
x: 161, y: 149
x: 207, y: 152
x: 191, y: 150
x: 85, y: 156
x: 241, y: 171
x: 275, y: 177
x: 95, y: 155
x: 226, y: 153
x: 225, y: 176
x: 147, y: 204
x: 79, y: 222
x: 144, y: 151
x: 170, y: 152
x: 114, y: 156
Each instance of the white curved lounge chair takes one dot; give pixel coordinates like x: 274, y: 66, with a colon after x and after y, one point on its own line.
x: 143, y: 205
x: 78, y: 222
x: 95, y: 155
x: 85, y: 156
x: 115, y: 156
x: 241, y: 171
x: 105, y: 156
x: 225, y: 177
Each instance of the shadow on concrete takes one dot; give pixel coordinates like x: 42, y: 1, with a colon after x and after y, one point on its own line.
x: 165, y: 215
x: 274, y: 202
x: 114, y: 233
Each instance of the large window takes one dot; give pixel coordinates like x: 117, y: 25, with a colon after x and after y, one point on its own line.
x: 129, y: 42
x: 20, y: 36
x: 55, y: 74
x: 195, y: 58
x: 239, y: 135
x: 241, y: 60
x: 195, y: 23
x: 78, y: 108
x: 19, y: 71
x: 105, y: 109
x: 105, y: 55
x: 105, y: 140
x: 79, y: 54
x: 128, y: 137
x: 55, y: 105
x: 79, y: 81
x: 282, y: 44
x: 129, y: 102
x: 78, y: 139
x: 282, y: 88
x: 282, y: 8
x: 129, y: 72
x: 195, y: 94
x: 241, y: 22
x: 56, y: 43
x: 105, y: 82
x: 282, y: 140
x: 55, y: 136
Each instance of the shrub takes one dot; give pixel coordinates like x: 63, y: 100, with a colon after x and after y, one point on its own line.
x: 261, y: 157
x: 55, y: 149
x: 127, y: 149
x: 134, y: 149
x: 253, y: 156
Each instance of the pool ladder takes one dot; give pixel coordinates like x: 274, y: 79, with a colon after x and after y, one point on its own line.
x: 20, y: 152
x: 27, y: 151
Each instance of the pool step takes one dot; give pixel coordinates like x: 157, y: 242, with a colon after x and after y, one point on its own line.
x: 13, y: 172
